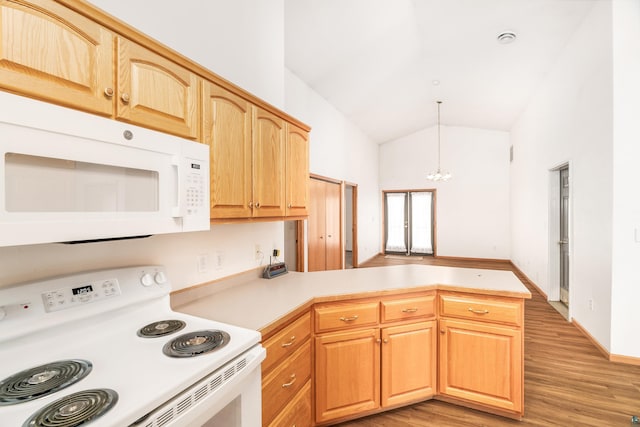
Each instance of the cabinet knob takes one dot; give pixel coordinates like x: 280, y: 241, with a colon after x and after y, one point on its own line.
x: 289, y: 205
x: 442, y: 331
x: 108, y: 92
x: 125, y: 98
x: 386, y: 341
x: 258, y: 205
x: 378, y: 340
x: 250, y: 205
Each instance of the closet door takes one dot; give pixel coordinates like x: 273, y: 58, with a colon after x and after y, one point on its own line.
x: 316, y: 226
x: 332, y: 227
x: 324, y: 226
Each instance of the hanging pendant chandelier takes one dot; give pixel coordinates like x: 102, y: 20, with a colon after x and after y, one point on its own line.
x: 439, y: 175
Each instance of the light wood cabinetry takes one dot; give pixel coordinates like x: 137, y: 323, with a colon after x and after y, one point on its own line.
x: 286, y: 375
x: 297, y: 172
x: 347, y: 373
x: 367, y: 359
x: 481, y: 351
x: 52, y: 53
x: 268, y: 164
x: 298, y: 412
x: 247, y: 148
x: 227, y: 131
x: 324, y: 226
x: 408, y: 363
x: 155, y: 92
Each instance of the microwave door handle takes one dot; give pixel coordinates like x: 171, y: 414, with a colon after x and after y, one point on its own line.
x: 177, y: 211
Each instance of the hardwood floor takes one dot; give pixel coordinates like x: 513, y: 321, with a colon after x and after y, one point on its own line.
x: 568, y: 382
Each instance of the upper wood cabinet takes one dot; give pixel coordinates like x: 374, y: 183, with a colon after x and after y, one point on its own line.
x: 297, y: 172
x: 268, y: 164
x: 155, y: 92
x: 52, y: 53
x: 227, y: 131
x: 247, y: 156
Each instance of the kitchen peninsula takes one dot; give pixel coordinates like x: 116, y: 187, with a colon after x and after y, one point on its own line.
x: 361, y: 341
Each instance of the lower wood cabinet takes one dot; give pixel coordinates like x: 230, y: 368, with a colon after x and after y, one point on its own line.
x: 408, y: 363
x: 286, y: 375
x: 481, y: 363
x: 347, y: 373
x: 298, y: 412
x: 360, y: 370
x: 374, y: 354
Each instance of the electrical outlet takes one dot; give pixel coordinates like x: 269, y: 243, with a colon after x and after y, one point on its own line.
x: 258, y: 252
x: 218, y: 260
x: 202, y: 263
x: 591, y: 304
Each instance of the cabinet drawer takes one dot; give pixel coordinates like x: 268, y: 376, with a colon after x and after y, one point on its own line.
x: 483, y: 309
x: 349, y: 315
x: 282, y: 384
x: 298, y: 412
x: 408, y: 308
x: 286, y: 341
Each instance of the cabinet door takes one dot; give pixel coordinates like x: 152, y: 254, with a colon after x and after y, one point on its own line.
x: 155, y: 92
x: 481, y: 363
x: 347, y: 373
x: 268, y: 164
x: 297, y: 170
x: 51, y: 53
x: 317, y: 249
x: 227, y: 131
x: 408, y: 363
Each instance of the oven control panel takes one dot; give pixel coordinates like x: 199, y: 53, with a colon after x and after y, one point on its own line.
x: 84, y: 293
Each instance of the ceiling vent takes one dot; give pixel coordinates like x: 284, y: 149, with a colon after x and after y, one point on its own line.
x: 506, y: 37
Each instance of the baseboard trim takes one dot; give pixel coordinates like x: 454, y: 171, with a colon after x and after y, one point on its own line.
x: 590, y: 337
x: 531, y: 282
x: 617, y: 358
x: 458, y: 258
x: 628, y: 360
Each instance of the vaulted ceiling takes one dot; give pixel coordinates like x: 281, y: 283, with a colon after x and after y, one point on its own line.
x: 384, y: 63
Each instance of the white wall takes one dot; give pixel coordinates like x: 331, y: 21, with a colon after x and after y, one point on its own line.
x: 341, y: 151
x: 472, y: 209
x: 240, y: 40
x: 626, y: 177
x: 570, y: 120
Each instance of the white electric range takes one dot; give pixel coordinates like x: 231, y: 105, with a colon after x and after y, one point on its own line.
x: 104, y: 348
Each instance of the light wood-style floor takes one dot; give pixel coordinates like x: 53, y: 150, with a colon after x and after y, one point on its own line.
x: 568, y: 382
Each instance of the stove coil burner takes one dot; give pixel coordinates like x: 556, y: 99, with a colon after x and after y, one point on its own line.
x: 161, y: 328
x: 42, y: 380
x: 196, y: 343
x: 75, y: 409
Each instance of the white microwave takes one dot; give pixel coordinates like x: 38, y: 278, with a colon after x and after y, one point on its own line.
x: 69, y: 176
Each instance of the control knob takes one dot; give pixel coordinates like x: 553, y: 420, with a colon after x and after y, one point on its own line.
x: 147, y: 279
x: 160, y: 278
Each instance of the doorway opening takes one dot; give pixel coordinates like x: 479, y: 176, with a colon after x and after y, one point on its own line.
x: 409, y: 223
x: 559, y: 240
x: 351, y: 225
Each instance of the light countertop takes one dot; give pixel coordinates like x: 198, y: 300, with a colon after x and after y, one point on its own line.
x: 256, y: 303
